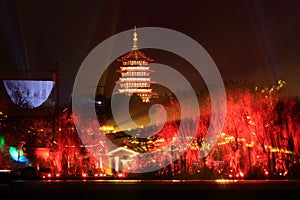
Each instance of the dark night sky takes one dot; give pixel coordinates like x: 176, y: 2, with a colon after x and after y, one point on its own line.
x: 248, y: 40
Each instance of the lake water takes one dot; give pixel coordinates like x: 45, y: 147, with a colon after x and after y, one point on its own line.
x: 151, y: 189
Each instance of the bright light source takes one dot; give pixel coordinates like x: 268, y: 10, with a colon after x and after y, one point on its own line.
x: 241, y: 174
x: 266, y: 172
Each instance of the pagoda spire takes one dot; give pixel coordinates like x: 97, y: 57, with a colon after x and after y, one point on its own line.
x: 135, y: 40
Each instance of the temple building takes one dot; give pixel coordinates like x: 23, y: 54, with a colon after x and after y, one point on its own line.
x: 135, y: 73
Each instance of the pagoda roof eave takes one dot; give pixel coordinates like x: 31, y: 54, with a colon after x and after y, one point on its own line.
x: 135, y: 55
x: 135, y: 70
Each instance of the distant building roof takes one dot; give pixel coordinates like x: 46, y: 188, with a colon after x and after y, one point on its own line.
x: 122, y: 151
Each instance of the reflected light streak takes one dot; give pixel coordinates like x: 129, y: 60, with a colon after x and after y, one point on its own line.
x: 225, y: 181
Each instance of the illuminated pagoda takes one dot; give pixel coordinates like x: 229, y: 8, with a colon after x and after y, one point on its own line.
x: 135, y: 74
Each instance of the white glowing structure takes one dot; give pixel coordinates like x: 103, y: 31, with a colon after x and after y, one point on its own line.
x: 28, y: 93
x: 135, y: 73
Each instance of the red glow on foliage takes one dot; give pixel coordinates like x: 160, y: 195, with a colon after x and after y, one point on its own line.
x: 42, y: 153
x: 260, y: 138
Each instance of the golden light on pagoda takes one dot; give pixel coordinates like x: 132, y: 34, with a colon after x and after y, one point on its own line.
x: 135, y: 73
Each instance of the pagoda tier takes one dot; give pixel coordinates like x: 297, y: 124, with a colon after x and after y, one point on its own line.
x: 135, y: 74
x: 135, y: 71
